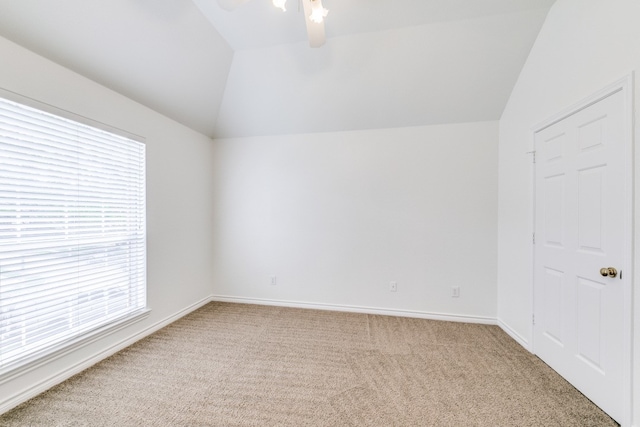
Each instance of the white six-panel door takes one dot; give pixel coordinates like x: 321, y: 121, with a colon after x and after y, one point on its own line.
x: 580, y: 225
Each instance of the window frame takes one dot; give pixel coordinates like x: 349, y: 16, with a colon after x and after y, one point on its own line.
x: 61, y: 349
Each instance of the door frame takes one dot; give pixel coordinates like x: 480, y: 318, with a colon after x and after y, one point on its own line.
x: 626, y: 86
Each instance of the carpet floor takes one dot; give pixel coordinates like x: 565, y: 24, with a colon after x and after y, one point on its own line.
x: 247, y: 365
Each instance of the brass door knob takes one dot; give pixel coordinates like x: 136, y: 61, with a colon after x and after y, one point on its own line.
x: 608, y: 272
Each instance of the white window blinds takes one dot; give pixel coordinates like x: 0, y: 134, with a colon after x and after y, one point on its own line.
x: 72, y: 231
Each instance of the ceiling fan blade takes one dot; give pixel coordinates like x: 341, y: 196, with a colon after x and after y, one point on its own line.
x: 314, y: 30
x: 231, y: 4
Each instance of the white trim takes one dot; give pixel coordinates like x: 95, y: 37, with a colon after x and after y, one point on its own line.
x: 52, y: 109
x: 65, y: 348
x: 622, y: 84
x: 53, y: 380
x: 358, y: 309
x: 532, y: 245
x: 626, y: 86
x: 628, y: 90
x: 516, y: 336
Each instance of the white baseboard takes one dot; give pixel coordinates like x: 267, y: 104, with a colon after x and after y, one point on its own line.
x: 516, y: 336
x: 66, y: 348
x: 359, y: 309
x: 53, y: 380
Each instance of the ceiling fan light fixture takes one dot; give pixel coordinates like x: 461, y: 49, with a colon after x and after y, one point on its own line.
x: 318, y: 12
x: 280, y: 4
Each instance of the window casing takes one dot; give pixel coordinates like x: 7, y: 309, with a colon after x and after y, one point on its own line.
x: 72, y: 231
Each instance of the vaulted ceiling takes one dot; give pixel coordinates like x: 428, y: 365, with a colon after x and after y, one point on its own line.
x: 386, y: 63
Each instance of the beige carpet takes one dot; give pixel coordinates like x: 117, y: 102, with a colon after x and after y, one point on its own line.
x: 245, y: 365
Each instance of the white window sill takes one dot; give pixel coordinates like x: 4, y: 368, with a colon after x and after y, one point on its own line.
x: 55, y: 352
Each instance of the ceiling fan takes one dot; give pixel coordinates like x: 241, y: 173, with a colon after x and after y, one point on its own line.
x: 314, y: 14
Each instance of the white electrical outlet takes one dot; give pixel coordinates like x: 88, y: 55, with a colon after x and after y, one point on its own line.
x: 455, y: 292
x: 273, y: 280
x: 393, y: 286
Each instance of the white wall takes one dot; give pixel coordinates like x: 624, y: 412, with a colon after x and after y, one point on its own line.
x: 583, y: 46
x: 179, y: 197
x: 337, y: 216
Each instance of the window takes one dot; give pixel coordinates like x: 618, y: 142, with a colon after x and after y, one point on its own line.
x: 72, y: 231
